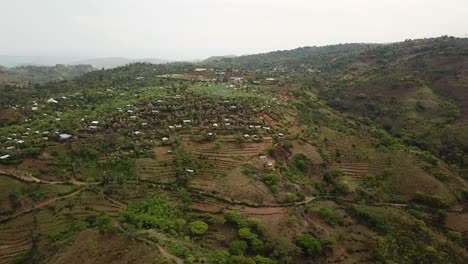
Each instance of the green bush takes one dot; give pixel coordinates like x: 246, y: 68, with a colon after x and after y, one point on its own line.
x: 309, y: 245
x: 431, y: 200
x: 104, y: 222
x: 330, y: 216
x: 270, y: 179
x: 237, y: 247
x: 198, y: 227
x: 235, y: 218
x: 255, y: 243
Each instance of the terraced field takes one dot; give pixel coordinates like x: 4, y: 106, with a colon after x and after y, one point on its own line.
x: 16, y: 239
x: 221, y: 170
x: 90, y: 202
x: 356, y: 170
x: 222, y: 158
x: 308, y: 150
x: 161, y: 169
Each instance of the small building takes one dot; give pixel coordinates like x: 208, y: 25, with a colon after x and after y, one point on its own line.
x: 63, y: 137
x: 34, y: 108
x: 94, y: 123
x: 199, y: 70
x: 137, y: 133
x: 51, y: 101
x: 236, y: 79
x: 215, y: 125
x: 4, y: 157
x: 165, y: 139
x: 189, y: 170
x: 187, y: 121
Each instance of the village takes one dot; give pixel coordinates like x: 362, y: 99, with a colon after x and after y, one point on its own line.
x: 157, y: 116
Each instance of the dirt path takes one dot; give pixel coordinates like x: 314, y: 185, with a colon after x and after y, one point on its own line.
x: 99, y: 192
x: 163, y: 252
x: 170, y: 256
x: 28, y: 177
x: 30, y: 208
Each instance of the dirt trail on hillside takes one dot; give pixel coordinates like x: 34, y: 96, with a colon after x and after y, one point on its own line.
x: 170, y: 256
x: 28, y: 177
x: 163, y: 252
x: 29, y: 208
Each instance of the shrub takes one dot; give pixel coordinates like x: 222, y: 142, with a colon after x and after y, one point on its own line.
x: 301, y: 163
x: 104, y: 222
x: 255, y: 243
x: 198, y: 227
x: 309, y: 244
x: 331, y: 217
x: 263, y: 260
x: 270, y: 179
x: 431, y: 200
x: 237, y: 247
x: 234, y: 217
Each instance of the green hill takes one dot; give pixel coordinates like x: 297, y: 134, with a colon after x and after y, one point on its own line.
x: 352, y: 153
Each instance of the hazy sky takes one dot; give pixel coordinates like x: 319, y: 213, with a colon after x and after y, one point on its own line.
x: 188, y: 29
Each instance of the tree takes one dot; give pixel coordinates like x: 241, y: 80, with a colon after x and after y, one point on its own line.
x: 282, y: 249
x: 104, y: 222
x: 309, y: 244
x: 255, y: 243
x: 198, y: 227
x: 237, y: 247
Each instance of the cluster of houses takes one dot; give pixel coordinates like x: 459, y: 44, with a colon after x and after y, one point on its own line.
x: 14, y: 142
x: 165, y: 116
x: 161, y: 117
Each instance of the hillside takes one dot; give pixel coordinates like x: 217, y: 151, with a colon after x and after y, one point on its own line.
x: 41, y: 74
x: 350, y: 153
x: 113, y: 62
x: 416, y: 90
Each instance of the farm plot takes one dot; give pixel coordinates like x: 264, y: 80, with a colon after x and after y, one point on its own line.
x: 356, y: 170
x: 308, y: 150
x: 161, y: 169
x: 221, y: 171
x: 15, y: 239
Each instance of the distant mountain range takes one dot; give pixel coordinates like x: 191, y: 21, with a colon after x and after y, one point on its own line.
x: 113, y: 62
x: 106, y: 62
